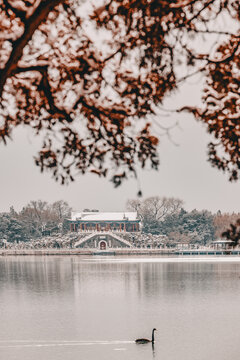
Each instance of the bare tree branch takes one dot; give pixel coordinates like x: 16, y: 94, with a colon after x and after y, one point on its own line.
x: 19, y: 13
x: 32, y: 23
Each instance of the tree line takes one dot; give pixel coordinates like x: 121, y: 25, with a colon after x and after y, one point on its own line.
x: 166, y: 216
x: 158, y: 215
x: 36, y: 219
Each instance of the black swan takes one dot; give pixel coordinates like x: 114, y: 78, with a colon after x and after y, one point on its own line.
x: 145, y: 341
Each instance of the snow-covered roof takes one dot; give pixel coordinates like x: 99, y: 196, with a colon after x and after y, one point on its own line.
x: 104, y: 216
x: 222, y: 241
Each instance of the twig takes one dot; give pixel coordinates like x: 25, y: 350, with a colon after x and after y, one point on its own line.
x: 31, y: 24
x: 19, y: 13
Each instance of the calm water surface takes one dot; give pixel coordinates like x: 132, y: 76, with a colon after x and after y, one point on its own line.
x: 68, y: 308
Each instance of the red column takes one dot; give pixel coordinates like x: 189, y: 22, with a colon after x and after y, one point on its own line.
x: 124, y: 227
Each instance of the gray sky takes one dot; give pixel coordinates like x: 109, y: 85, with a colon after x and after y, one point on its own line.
x: 184, y: 173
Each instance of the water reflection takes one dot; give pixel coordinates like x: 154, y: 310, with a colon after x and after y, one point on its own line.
x: 59, y: 274
x: 64, y: 307
x: 36, y: 274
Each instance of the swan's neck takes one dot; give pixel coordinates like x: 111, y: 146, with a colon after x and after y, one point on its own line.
x: 153, y: 336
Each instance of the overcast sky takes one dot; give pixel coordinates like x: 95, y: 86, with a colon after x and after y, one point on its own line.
x: 184, y: 172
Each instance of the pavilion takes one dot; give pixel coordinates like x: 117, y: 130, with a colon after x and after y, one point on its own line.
x: 104, y: 221
x: 222, y: 244
x: 104, y: 230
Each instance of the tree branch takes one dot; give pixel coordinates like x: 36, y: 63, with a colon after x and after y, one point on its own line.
x: 19, y: 13
x: 31, y: 24
x: 39, y: 68
x: 115, y: 53
x: 221, y: 61
x: 46, y: 87
x: 217, y: 32
x: 200, y: 11
x: 179, y: 5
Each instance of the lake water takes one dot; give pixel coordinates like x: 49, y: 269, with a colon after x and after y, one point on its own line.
x: 93, y: 308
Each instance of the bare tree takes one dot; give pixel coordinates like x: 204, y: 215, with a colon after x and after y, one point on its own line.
x: 154, y: 209
x: 39, y: 215
x: 158, y: 208
x: 62, y: 209
x: 134, y: 205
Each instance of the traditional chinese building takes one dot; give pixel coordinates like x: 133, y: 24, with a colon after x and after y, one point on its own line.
x: 104, y: 221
